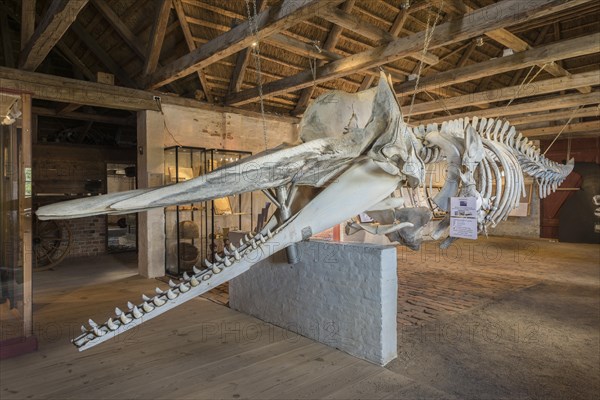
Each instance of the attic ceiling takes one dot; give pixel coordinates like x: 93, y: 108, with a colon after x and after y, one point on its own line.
x: 322, y: 46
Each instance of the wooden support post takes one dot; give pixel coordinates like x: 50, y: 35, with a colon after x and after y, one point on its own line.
x: 26, y: 213
x: 150, y: 170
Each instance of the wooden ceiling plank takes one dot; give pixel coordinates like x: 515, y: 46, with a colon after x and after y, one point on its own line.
x: 157, y: 36
x: 544, y: 54
x: 75, y: 61
x: 507, y: 12
x: 243, y: 58
x: 508, y: 93
x: 270, y: 21
x: 27, y: 21
x: 60, y: 16
x: 551, y: 103
x: 512, y: 41
x: 556, y: 116
x: 191, y: 43
x: 120, y: 27
x: 330, y: 43
x: 102, y: 55
x: 591, y: 127
x: 356, y: 24
x: 466, y: 55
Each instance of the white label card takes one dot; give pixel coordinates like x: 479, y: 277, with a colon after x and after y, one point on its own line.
x: 463, y: 217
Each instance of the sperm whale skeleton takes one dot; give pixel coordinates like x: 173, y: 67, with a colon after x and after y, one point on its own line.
x: 355, y: 152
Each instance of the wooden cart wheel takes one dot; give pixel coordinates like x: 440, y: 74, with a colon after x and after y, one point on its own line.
x: 51, y: 243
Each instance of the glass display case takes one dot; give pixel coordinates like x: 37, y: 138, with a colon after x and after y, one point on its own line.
x: 184, y: 225
x: 227, y: 214
x: 194, y: 232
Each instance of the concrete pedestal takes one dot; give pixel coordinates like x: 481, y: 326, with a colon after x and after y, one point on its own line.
x: 341, y: 294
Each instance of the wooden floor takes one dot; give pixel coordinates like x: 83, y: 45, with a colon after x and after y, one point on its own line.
x: 203, y: 350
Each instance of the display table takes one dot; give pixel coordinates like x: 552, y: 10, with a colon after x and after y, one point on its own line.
x: 341, y: 294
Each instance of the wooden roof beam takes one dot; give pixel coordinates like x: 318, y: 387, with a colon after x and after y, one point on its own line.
x: 268, y: 22
x: 552, y: 103
x: 330, y: 43
x: 545, y: 54
x: 120, y: 27
x: 191, y: 43
x: 358, y: 25
x: 508, y: 93
x: 556, y: 116
x: 102, y: 55
x: 59, y: 17
x: 505, y: 13
x: 512, y: 41
x: 591, y: 128
x: 243, y: 58
x: 66, y: 90
x: 157, y: 36
x: 27, y: 21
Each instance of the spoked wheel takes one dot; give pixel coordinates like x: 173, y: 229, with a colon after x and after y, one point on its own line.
x: 51, y: 243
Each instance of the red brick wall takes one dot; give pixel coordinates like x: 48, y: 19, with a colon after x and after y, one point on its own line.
x: 88, y: 236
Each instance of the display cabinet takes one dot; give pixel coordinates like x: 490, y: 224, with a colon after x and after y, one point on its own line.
x: 184, y: 225
x: 194, y: 232
x: 227, y: 214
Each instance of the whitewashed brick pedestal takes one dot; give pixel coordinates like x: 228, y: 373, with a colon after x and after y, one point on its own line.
x: 341, y: 294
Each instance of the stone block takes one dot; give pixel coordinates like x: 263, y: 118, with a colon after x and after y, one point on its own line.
x: 341, y: 294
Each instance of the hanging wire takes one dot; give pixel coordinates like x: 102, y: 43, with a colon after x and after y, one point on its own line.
x: 428, y: 35
x: 256, y: 52
x: 525, y: 83
x: 563, y: 129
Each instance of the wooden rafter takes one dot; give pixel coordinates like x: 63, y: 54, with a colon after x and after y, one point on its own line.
x: 508, y: 93
x: 270, y: 21
x: 550, y: 103
x: 356, y: 24
x: 102, y: 55
x: 539, y: 55
x: 512, y: 41
x: 191, y: 43
x: 60, y: 16
x: 75, y: 61
x: 467, y: 27
x: 591, y: 128
x: 157, y: 36
x: 243, y: 58
x: 119, y: 26
x: 27, y: 21
x: 556, y: 116
x: 330, y: 43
